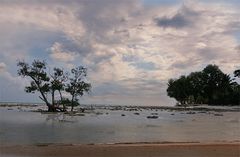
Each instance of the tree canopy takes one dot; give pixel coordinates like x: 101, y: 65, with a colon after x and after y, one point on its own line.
x: 73, y: 83
x: 209, y: 86
x: 76, y: 85
x: 237, y: 73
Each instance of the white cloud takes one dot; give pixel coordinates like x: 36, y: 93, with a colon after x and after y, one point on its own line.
x: 15, y: 80
x: 165, y: 41
x: 2, y: 67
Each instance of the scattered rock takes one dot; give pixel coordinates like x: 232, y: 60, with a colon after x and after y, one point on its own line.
x: 39, y: 110
x: 66, y: 121
x: 218, y: 114
x: 98, y: 113
x: 137, y: 113
x: 76, y: 114
x: 191, y: 112
x: 123, y: 115
x: 152, y: 117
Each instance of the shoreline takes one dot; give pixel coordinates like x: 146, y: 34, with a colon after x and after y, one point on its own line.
x: 158, y: 149
x: 200, y: 108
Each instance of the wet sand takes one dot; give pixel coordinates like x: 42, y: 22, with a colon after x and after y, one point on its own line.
x: 125, y: 150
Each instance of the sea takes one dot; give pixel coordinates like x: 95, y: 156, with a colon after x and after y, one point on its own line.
x: 29, y: 124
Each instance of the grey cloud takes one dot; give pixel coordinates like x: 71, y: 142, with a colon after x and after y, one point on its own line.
x: 131, y: 87
x: 145, y: 86
x: 238, y: 49
x: 185, y: 64
x: 233, y: 27
x: 180, y: 65
x: 99, y: 17
x: 96, y: 60
x: 144, y: 65
x: 177, y: 21
x: 108, y: 88
x: 139, y: 63
x: 209, y: 53
x: 183, y: 18
x: 83, y: 48
x: 130, y: 58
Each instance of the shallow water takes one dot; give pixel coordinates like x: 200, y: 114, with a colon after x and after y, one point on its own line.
x: 110, y: 126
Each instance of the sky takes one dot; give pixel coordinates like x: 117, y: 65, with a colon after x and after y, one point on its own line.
x: 130, y: 47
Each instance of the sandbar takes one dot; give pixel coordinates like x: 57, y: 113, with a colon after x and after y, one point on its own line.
x: 226, y: 149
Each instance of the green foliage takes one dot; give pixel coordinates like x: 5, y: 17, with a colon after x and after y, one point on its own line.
x: 58, y: 78
x: 179, y: 89
x: 40, y: 80
x: 37, y: 72
x: 77, y: 84
x: 68, y: 102
x: 237, y: 73
x: 74, y: 83
x: 209, y: 86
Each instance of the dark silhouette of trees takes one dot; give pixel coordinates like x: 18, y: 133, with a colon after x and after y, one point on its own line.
x: 209, y: 86
x: 179, y: 89
x: 40, y: 79
x: 236, y: 88
x: 237, y: 73
x: 77, y: 86
x: 58, y: 80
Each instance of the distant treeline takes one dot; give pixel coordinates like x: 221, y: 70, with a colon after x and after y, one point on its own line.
x: 209, y: 86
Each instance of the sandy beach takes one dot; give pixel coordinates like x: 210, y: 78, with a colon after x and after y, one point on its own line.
x: 125, y: 150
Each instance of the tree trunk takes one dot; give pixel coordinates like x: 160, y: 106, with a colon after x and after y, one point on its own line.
x: 72, y: 103
x: 60, y: 93
x: 51, y: 108
x: 64, y: 107
x: 53, y: 95
x: 46, y: 101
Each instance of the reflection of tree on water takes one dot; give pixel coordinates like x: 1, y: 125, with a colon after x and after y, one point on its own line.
x: 61, y: 118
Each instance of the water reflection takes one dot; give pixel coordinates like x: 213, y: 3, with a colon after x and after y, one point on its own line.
x: 60, y: 118
x: 18, y: 127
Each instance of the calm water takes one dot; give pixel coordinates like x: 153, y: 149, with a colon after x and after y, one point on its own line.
x: 110, y: 126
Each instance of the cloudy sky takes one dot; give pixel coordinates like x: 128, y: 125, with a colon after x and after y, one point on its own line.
x: 130, y: 47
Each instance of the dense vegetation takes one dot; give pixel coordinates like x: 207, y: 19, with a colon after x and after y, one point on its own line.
x: 209, y: 86
x: 72, y: 83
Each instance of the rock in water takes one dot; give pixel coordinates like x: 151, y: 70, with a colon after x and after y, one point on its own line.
x: 152, y: 117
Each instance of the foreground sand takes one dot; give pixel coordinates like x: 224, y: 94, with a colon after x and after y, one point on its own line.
x: 126, y: 150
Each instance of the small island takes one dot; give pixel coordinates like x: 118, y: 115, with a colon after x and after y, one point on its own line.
x: 209, y: 86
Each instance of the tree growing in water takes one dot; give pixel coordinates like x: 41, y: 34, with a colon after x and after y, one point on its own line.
x: 45, y: 83
x: 40, y: 79
x: 77, y: 85
x: 58, y: 80
x: 209, y: 86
